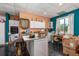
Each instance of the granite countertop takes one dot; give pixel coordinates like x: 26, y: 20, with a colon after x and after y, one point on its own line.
x: 26, y: 38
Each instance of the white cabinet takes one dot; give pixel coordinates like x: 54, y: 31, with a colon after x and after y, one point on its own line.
x: 39, y: 47
x: 37, y: 24
x: 13, y: 23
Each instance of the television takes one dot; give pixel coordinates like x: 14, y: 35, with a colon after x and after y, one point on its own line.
x: 14, y: 30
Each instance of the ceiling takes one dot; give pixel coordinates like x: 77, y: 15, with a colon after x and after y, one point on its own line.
x: 41, y: 9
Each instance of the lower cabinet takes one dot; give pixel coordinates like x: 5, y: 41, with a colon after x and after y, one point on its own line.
x: 39, y: 47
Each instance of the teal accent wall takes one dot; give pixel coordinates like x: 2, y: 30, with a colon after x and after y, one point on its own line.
x: 54, y: 23
x: 76, y: 23
x: 6, y: 33
x: 76, y: 20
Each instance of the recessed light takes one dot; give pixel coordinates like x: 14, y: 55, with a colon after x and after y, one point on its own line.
x: 45, y: 13
x: 60, y: 4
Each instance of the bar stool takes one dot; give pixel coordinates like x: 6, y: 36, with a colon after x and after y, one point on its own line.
x: 21, y: 49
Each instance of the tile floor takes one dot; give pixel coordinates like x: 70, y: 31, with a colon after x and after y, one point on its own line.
x: 53, y: 51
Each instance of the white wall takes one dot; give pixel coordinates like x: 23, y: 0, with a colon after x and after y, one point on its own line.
x: 2, y: 30
x: 2, y: 35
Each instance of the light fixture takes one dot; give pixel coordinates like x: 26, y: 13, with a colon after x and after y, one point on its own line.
x: 60, y: 4
x: 45, y: 13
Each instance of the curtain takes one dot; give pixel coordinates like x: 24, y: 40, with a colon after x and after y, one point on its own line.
x: 71, y: 24
x: 57, y: 25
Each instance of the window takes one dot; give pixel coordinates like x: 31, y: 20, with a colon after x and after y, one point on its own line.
x: 66, y: 25
x: 63, y: 26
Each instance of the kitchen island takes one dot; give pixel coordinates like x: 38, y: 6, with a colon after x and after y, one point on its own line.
x: 37, y: 46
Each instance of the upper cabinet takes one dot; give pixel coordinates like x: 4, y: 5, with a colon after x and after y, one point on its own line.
x: 37, y: 24
x: 14, y: 17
